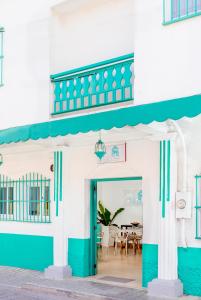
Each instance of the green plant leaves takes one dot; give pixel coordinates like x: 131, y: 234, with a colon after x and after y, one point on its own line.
x: 117, y: 213
x: 104, y: 215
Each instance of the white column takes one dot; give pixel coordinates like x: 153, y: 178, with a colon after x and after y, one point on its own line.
x: 167, y: 283
x: 60, y: 270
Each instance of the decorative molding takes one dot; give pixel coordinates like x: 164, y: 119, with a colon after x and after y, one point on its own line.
x: 58, y: 179
x: 165, y: 152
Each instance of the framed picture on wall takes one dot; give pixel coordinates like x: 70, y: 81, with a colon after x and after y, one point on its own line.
x: 114, y: 153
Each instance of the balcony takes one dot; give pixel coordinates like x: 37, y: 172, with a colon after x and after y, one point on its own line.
x: 105, y: 83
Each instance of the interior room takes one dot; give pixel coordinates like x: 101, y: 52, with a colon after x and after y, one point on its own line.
x: 120, y: 230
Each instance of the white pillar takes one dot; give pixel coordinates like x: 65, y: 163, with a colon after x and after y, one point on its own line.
x: 60, y: 270
x: 167, y: 283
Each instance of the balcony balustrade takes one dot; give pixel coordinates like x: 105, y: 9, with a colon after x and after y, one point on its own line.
x: 103, y: 83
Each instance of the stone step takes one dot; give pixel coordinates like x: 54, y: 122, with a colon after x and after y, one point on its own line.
x: 70, y: 293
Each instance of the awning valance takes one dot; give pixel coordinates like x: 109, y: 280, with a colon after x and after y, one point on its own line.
x: 132, y: 116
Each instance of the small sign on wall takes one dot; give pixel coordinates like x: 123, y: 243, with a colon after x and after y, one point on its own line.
x: 114, y: 153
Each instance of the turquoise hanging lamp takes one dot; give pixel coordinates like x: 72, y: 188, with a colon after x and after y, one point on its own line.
x: 100, y: 148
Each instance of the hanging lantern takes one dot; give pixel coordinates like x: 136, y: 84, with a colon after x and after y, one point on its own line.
x: 100, y: 148
x: 1, y: 159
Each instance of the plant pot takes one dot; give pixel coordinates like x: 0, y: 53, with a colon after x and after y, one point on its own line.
x: 106, y: 236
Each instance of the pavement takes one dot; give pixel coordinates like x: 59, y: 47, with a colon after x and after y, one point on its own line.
x: 12, y: 293
x: 19, y: 284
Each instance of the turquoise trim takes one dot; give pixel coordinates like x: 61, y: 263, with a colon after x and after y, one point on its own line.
x: 189, y: 267
x: 79, y: 256
x: 54, y: 114
x: 58, y: 178
x: 103, y: 83
x: 149, y: 263
x: 197, y: 208
x: 177, y: 18
x: 26, y: 251
x: 93, y: 227
x: 189, y: 262
x: 118, y: 179
x: 164, y: 179
x: 161, y: 188
x: 182, y: 18
x: 93, y: 217
x: 131, y: 116
x: 25, y: 199
x: 165, y: 156
x: 92, y: 66
x: 168, y: 170
x: 61, y: 175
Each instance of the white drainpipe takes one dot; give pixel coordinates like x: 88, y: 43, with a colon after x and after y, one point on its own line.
x: 184, y: 178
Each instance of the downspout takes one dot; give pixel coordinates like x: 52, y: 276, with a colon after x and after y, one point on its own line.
x: 184, y: 177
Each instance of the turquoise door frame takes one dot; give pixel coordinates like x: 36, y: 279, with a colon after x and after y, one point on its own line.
x: 93, y: 217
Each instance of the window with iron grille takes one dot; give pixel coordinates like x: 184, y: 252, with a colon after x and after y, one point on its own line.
x: 177, y: 10
x: 26, y: 199
x: 1, y: 55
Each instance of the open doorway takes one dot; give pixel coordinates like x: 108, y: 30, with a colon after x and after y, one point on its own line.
x: 117, y: 229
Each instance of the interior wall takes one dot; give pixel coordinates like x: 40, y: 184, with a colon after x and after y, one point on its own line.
x: 122, y: 194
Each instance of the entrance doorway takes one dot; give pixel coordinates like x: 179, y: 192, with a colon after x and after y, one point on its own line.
x: 116, y: 230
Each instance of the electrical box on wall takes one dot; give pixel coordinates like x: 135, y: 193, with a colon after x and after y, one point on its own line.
x: 183, y: 205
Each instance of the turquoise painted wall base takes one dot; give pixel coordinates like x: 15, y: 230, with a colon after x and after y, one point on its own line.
x: 149, y: 263
x: 26, y: 251
x: 78, y: 256
x: 189, y: 262
x: 189, y: 267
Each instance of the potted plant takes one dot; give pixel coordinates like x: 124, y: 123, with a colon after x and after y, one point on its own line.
x: 106, y: 218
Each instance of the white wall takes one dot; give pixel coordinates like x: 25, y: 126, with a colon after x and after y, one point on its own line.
x: 41, y: 37
x: 192, y: 136
x: 84, y: 166
x: 94, y: 31
x: 167, y: 58
x: 49, y: 36
x: 122, y: 194
x: 142, y: 160
x: 17, y: 165
x: 25, y: 95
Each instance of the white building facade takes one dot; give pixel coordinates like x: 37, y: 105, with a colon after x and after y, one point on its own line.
x: 128, y: 70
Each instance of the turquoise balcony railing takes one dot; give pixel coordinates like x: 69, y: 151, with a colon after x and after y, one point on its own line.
x: 103, y: 83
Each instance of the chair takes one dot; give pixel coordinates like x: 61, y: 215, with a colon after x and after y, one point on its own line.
x: 134, y: 236
x: 121, y: 237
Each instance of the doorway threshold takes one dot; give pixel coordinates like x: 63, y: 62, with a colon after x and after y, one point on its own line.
x: 116, y: 281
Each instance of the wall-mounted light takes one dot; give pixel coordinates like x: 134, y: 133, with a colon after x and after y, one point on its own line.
x: 100, y: 148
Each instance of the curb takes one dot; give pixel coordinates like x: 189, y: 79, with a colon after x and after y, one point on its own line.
x: 70, y: 293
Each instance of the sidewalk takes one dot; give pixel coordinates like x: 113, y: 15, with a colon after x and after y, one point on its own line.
x: 74, y: 287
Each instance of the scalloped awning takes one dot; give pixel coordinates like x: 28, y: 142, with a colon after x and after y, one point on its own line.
x: 132, y: 116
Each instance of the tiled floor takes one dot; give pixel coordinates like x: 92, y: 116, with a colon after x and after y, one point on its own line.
x: 120, y: 266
